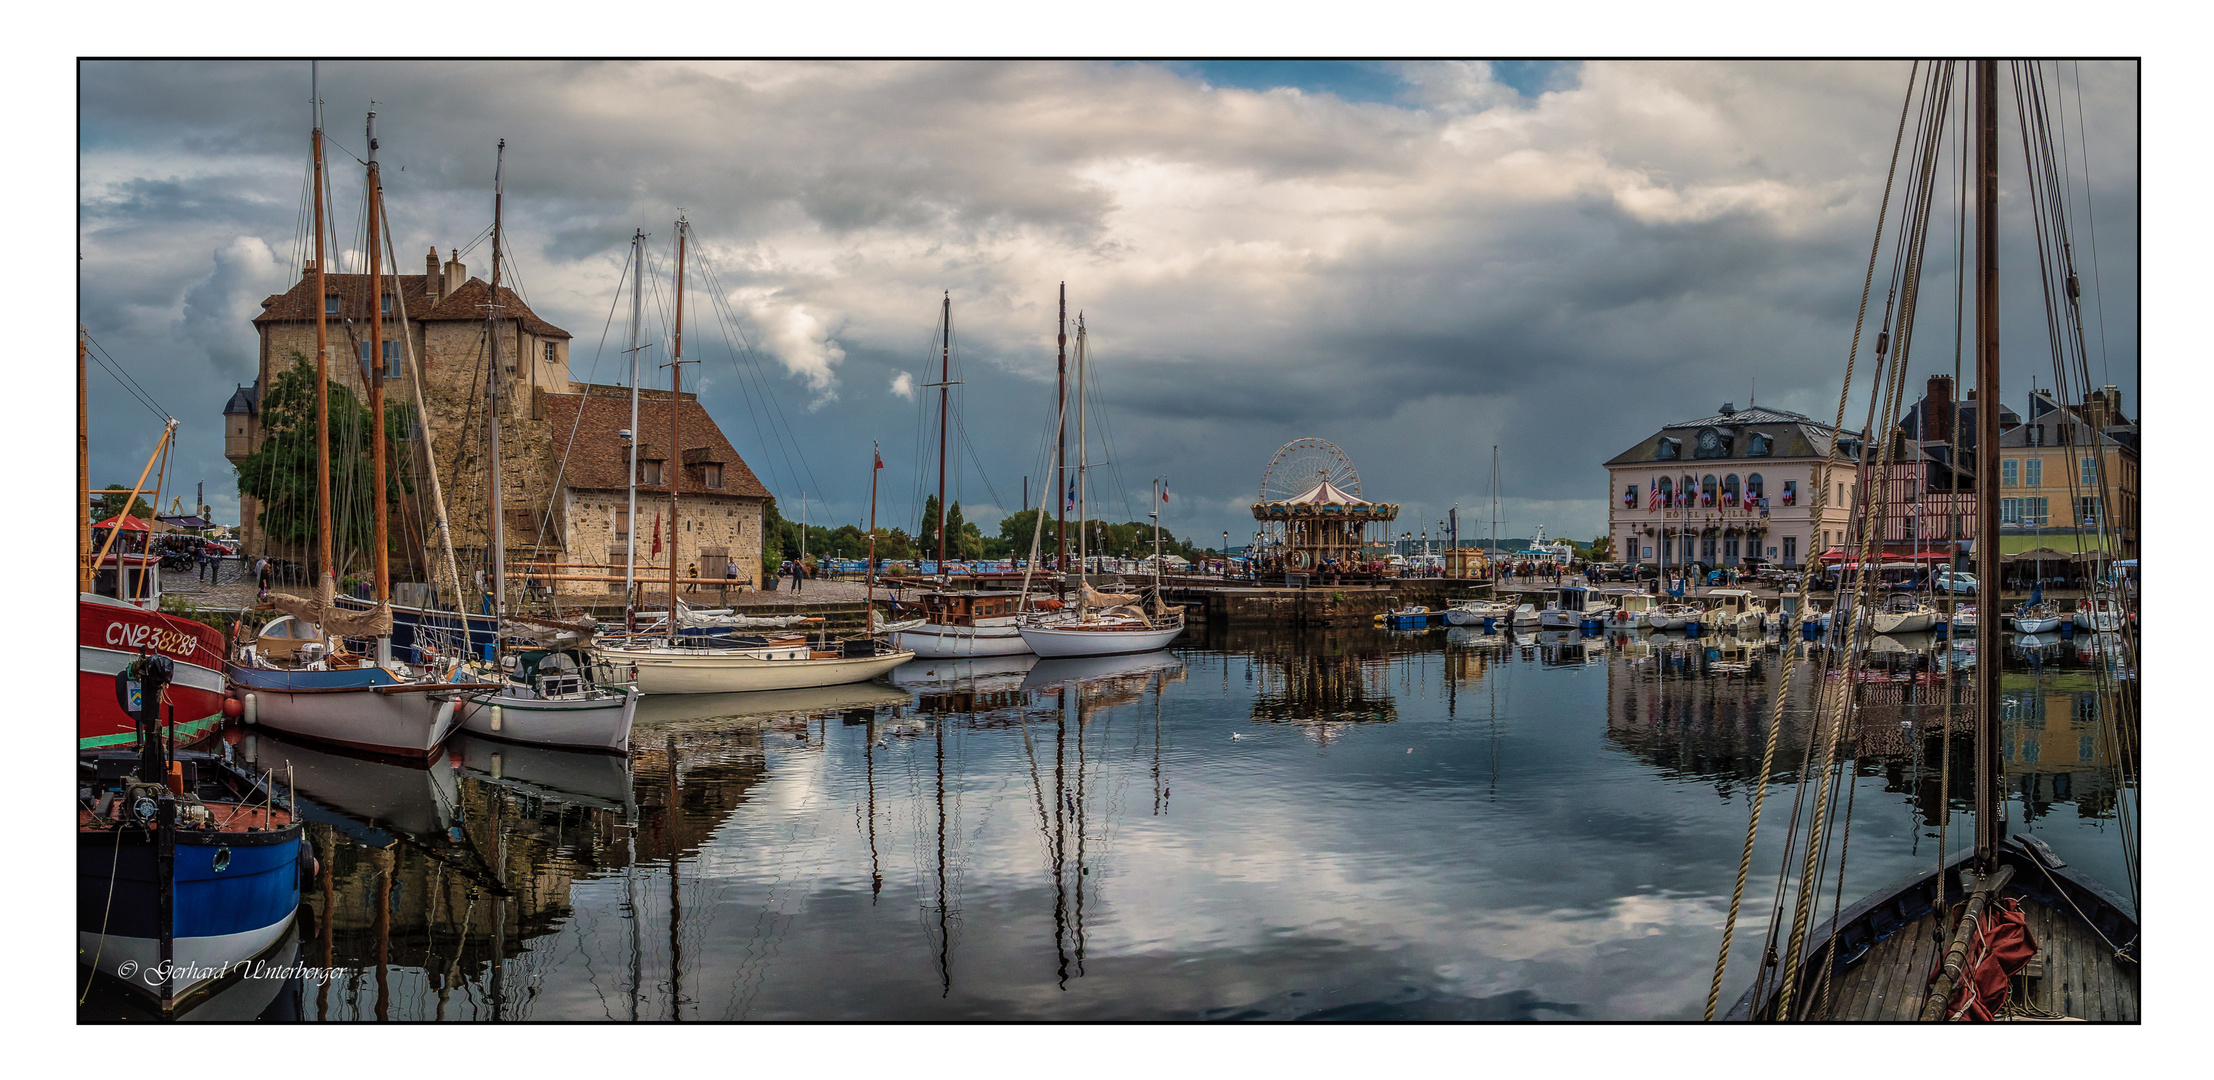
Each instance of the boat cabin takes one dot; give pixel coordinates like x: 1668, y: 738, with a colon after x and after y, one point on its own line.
x: 964, y: 608
x: 1575, y: 598
x: 1635, y: 602
x: 1732, y: 601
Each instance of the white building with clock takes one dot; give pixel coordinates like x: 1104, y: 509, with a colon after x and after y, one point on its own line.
x: 1736, y: 485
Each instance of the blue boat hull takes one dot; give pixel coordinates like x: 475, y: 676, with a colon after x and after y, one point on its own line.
x: 234, y: 895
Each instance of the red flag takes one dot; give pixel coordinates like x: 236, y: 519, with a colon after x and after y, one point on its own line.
x: 1164, y: 492
x: 657, y: 534
x: 879, y: 457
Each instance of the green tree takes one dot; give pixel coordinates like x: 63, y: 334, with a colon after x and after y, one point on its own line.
x: 282, y: 473
x: 111, y: 505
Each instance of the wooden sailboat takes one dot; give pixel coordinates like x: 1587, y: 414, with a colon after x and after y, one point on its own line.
x: 1105, y: 624
x: 965, y: 622
x: 545, y: 694
x: 727, y: 664
x: 298, y: 676
x: 2006, y: 928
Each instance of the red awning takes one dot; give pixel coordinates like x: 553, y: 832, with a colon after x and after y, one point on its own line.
x: 128, y: 522
x: 1833, y: 555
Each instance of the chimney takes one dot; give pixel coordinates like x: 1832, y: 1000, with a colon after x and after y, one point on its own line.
x: 1937, y: 409
x: 430, y: 276
x: 1971, y: 393
x: 455, y: 274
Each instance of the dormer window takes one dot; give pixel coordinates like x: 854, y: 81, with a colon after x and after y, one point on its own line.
x: 385, y: 304
x: 1668, y: 449
x: 330, y: 304
x: 711, y: 475
x: 1761, y: 445
x: 649, y: 472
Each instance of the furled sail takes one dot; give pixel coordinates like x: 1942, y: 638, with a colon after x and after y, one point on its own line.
x: 1094, y: 598
x: 336, y: 622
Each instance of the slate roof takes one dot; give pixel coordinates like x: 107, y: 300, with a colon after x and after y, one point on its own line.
x: 1794, y: 435
x: 246, y: 399
x: 595, y: 457
x: 466, y: 303
x: 2123, y: 433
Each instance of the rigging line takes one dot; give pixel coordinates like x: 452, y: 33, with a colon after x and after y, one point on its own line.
x: 733, y: 326
x: 159, y: 413
x: 1821, y: 494
x: 553, y: 495
x: 2091, y: 219
x: 764, y: 431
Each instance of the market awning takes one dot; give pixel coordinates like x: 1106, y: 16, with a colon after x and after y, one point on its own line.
x: 2043, y: 555
x: 122, y: 521
x: 188, y: 521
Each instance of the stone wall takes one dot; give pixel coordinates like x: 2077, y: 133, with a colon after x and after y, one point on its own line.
x: 710, y: 523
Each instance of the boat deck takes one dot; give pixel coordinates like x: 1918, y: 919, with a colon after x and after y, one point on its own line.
x: 2074, y: 974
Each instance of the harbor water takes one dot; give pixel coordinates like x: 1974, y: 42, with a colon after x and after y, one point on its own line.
x: 1253, y: 825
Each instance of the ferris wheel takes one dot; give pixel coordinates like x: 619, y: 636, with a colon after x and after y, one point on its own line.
x: 1303, y: 463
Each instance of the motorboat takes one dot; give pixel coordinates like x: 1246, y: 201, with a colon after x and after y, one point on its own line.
x: 110, y: 634
x: 1674, y: 616
x: 2098, y: 613
x: 1733, y: 611
x: 1524, y: 615
x: 1573, y: 606
x: 1632, y: 611
x: 1477, y: 611
x: 1964, y: 618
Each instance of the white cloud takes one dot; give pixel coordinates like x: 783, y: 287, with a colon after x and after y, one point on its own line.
x: 903, y: 385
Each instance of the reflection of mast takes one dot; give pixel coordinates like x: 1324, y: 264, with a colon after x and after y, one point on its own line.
x: 380, y: 925
x: 668, y: 834
x: 630, y: 815
x: 499, y: 903
x: 1060, y: 835
x: 326, y: 853
x: 1081, y: 870
x: 868, y: 758
x: 1160, y: 793
x: 945, y: 943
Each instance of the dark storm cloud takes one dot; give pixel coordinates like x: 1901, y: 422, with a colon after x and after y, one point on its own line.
x: 1557, y: 260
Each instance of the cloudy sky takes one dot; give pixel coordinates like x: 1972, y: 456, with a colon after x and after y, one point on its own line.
x: 1415, y: 261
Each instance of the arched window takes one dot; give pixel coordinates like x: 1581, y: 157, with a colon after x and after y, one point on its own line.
x: 1667, y: 491
x: 1706, y: 490
x: 1729, y: 490
x: 1687, y: 491
x: 1753, y: 488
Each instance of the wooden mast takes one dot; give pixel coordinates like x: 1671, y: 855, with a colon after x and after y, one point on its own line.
x: 945, y: 369
x: 876, y: 465
x: 492, y: 413
x: 376, y: 388
x: 1989, y: 827
x: 329, y: 584
x: 637, y: 318
x: 1083, y: 489
x: 671, y: 468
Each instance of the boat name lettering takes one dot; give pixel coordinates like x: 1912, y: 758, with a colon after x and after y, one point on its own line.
x: 154, y: 637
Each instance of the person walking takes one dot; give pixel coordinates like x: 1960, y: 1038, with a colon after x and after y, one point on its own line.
x: 692, y: 577
x: 799, y: 575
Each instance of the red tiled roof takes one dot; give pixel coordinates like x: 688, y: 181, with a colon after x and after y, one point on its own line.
x: 467, y: 302
x: 596, y: 456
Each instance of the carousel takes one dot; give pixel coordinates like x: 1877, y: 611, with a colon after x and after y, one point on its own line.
x: 1313, y: 519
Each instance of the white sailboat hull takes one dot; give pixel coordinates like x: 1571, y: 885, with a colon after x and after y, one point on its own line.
x: 2103, y: 620
x: 2036, y: 624
x: 935, y: 641
x: 580, y: 722
x: 403, y: 721
x: 727, y: 671
x: 1054, y: 641
x: 1909, y: 622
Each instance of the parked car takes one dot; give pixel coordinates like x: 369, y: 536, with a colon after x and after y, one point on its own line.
x: 1953, y: 581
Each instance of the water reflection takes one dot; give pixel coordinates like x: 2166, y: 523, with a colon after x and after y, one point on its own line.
x: 1258, y: 825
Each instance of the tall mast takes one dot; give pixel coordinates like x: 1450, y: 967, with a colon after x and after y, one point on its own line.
x: 637, y: 318
x: 670, y: 468
x: 876, y: 464
x: 1156, y: 539
x: 1061, y: 444
x: 322, y: 363
x: 945, y: 370
x: 375, y: 184
x: 1083, y: 459
x: 1988, y: 824
x: 492, y: 414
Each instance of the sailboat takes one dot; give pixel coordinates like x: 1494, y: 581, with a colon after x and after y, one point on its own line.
x: 964, y: 622
x: 2006, y: 927
x: 545, y: 694
x: 1104, y: 624
x: 298, y: 676
x: 727, y: 664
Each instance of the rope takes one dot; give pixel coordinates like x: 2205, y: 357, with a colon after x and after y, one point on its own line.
x: 1818, y: 503
x: 101, y: 944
